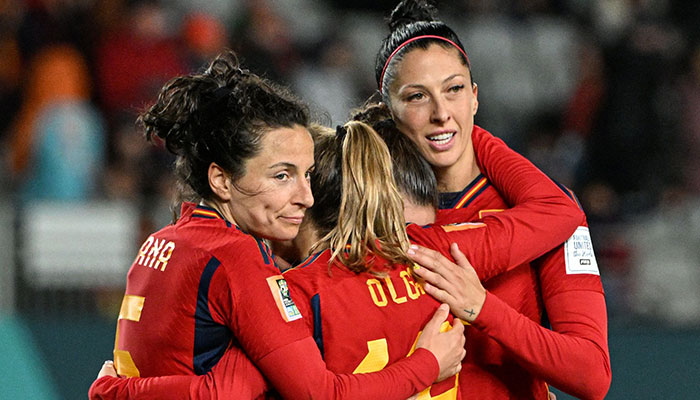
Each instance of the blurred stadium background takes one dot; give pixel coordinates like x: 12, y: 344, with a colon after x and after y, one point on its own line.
x: 604, y: 95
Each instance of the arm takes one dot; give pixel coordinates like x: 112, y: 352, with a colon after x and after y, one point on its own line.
x: 543, y: 216
x: 234, y: 376
x: 297, y: 370
x: 576, y: 306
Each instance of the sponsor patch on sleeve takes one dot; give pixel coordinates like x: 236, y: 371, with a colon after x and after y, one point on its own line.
x: 578, y: 250
x: 280, y: 292
x: 463, y: 226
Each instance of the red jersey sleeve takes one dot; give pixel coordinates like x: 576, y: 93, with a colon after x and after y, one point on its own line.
x: 270, y: 329
x: 234, y: 376
x: 296, y: 369
x: 543, y: 216
x: 574, y: 355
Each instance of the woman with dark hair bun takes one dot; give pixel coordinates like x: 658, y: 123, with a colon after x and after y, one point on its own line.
x: 205, y: 291
x: 425, y: 79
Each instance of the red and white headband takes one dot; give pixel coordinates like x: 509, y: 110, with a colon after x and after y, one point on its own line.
x: 404, y: 44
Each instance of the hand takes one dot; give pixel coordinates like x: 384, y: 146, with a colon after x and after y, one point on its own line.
x: 107, y: 370
x: 454, y: 284
x: 447, y: 347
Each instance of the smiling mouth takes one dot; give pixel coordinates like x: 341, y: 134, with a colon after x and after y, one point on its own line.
x: 441, y: 138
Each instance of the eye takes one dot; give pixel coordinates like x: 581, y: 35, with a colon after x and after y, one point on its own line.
x: 308, y: 173
x: 282, y: 176
x: 455, y: 88
x: 415, y: 96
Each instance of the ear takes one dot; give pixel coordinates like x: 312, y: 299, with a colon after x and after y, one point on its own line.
x: 220, y: 182
x: 475, y: 91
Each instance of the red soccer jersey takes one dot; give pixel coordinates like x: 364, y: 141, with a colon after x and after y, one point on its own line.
x: 186, y: 299
x: 362, y: 322
x: 201, y: 285
x: 509, y: 355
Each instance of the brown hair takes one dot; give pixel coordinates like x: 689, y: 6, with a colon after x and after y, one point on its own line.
x: 221, y: 116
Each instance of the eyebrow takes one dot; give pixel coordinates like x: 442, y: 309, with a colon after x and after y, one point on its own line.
x: 418, y: 85
x: 282, y: 164
x: 449, y: 78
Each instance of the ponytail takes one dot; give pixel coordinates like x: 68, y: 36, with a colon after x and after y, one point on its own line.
x: 370, y: 216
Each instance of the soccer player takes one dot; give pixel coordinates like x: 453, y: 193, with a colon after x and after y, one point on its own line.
x: 424, y: 77
x: 208, y: 283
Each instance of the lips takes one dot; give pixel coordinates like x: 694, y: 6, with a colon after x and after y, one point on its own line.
x: 441, y: 140
x: 294, y: 220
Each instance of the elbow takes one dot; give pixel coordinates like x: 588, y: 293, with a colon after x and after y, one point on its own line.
x: 597, y: 391
x: 596, y: 384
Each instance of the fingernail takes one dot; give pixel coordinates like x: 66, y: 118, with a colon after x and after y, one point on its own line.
x: 410, y: 252
x: 414, y: 247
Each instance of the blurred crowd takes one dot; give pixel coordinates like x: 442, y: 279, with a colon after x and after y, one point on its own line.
x: 603, y: 95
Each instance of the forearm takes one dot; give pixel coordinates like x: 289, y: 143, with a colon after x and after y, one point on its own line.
x: 297, y: 372
x: 153, y: 388
x: 234, y: 376
x: 573, y: 357
x: 542, y: 215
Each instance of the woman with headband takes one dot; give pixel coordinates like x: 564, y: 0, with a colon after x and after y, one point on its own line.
x: 424, y: 77
x: 357, y: 294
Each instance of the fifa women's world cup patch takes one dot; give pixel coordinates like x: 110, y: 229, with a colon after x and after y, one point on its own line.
x: 280, y: 292
x: 579, y: 255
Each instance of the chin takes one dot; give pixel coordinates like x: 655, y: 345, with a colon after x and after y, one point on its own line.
x: 443, y: 160
x: 286, y: 234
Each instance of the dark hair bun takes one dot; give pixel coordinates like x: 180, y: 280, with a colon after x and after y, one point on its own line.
x: 410, y: 11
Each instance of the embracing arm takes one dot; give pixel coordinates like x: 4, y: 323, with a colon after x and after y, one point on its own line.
x: 572, y: 357
x: 297, y: 371
x: 233, y: 376
x: 542, y: 216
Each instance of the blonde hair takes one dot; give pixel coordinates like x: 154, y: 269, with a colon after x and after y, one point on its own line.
x: 370, y: 214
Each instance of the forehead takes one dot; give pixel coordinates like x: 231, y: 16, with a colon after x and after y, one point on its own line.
x: 435, y: 62
x: 286, y: 144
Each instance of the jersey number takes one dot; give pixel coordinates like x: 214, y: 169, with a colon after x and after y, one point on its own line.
x: 378, y: 357
x: 130, y: 310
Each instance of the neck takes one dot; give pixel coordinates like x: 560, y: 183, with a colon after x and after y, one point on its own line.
x: 296, y: 250
x: 222, y: 209
x: 458, y: 175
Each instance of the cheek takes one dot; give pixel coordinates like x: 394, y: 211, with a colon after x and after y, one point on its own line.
x: 274, y: 202
x: 409, y: 121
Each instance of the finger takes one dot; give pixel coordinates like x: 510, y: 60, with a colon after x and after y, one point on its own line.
x: 445, y: 282
x: 458, y: 326
x: 439, y: 316
x: 430, y: 258
x: 437, y: 293
x: 427, y: 274
x: 459, y: 257
x: 107, y: 369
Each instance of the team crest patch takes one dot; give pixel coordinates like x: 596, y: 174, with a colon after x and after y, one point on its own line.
x: 579, y: 255
x: 463, y: 226
x: 280, y: 292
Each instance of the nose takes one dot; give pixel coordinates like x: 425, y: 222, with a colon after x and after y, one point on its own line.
x: 440, y: 113
x: 304, y: 196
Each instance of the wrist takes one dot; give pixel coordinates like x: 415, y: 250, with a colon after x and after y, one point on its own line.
x: 470, y: 312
